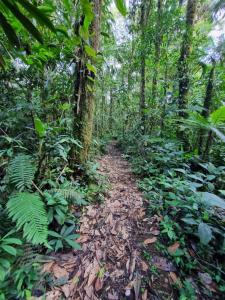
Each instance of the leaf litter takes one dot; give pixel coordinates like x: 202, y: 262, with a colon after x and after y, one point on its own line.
x: 113, y: 236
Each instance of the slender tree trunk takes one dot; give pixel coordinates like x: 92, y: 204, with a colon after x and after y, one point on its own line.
x: 145, y: 9
x: 206, y: 109
x: 183, y: 68
x: 158, y: 41
x: 83, y: 96
x: 111, y: 110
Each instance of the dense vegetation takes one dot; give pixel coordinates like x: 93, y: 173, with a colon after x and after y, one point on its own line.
x: 76, y: 74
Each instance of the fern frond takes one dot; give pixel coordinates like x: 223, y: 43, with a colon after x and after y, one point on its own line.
x: 72, y: 196
x: 21, y: 171
x: 28, y: 211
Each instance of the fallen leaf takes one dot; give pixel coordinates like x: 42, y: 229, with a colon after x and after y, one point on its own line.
x: 66, y: 290
x: 155, y: 232
x: 116, y: 273
x: 47, y: 268
x: 144, y: 266
x: 150, y: 241
x: 113, y: 296
x: 98, y: 284
x: 93, y: 272
x: 145, y: 295
x: 173, y: 247
x: 137, y: 286
x: 163, y: 264
x: 82, y: 239
x: 59, y: 272
x: 175, y: 279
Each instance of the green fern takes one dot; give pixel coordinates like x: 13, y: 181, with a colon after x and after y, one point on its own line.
x: 28, y: 211
x: 72, y: 196
x: 21, y: 171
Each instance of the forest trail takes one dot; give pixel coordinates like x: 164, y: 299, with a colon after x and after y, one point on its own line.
x: 113, y: 236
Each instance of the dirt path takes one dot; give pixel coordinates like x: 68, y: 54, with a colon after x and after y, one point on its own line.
x: 110, y: 265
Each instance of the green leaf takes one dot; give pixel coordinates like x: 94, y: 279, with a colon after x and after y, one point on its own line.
x: 73, y: 244
x: 5, y: 263
x: 37, y: 14
x: 28, y: 211
x: 218, y: 133
x: 91, y: 68
x: 39, y: 127
x: 120, y: 4
x: 2, y: 274
x: 9, y: 249
x: 212, y: 200
x: 23, y: 20
x: 9, y: 31
x: 12, y: 241
x: 54, y: 234
x: 90, y: 51
x: 218, y: 116
x: 204, y: 233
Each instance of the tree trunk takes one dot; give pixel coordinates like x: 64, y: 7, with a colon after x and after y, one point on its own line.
x: 111, y: 110
x: 83, y: 96
x: 158, y: 41
x: 145, y: 9
x: 183, y: 70
x: 206, y: 107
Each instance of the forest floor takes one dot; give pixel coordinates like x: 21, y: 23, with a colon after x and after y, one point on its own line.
x: 118, y: 259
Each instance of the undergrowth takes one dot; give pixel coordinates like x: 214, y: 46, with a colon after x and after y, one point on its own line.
x: 188, y: 194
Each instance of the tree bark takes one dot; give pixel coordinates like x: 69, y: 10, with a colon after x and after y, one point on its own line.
x: 183, y: 68
x: 83, y: 96
x: 158, y: 41
x: 145, y: 9
x: 206, y: 109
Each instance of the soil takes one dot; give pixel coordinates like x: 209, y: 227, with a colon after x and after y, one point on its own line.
x: 119, y: 257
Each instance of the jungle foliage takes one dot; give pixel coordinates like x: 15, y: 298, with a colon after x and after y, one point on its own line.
x: 76, y: 74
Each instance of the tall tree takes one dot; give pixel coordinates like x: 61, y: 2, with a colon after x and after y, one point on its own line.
x: 158, y: 41
x: 83, y: 89
x: 183, y: 66
x: 145, y: 10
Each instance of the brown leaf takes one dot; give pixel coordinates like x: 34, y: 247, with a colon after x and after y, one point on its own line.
x: 145, y: 295
x: 144, y: 266
x: 47, y: 268
x: 155, y: 232
x: 66, y: 290
x: 150, y: 241
x: 98, y: 284
x: 175, y: 279
x: 93, y: 272
x: 173, y: 247
x: 113, y: 296
x: 116, y: 273
x: 59, y: 272
x: 82, y: 239
x: 162, y: 263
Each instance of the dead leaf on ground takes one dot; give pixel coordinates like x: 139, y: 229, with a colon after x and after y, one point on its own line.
x: 155, y: 232
x: 150, y: 241
x: 144, y: 266
x: 175, y: 279
x: 98, y: 284
x: 163, y: 264
x: 113, y: 296
x: 82, y: 239
x: 66, y: 290
x: 173, y: 247
x: 48, y: 267
x: 145, y: 295
x: 59, y: 272
x: 93, y: 272
x: 117, y: 273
